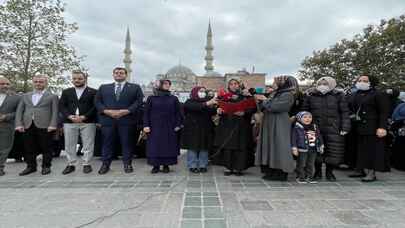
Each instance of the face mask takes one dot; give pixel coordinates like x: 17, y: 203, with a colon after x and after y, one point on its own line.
x: 323, y: 89
x: 363, y: 85
x: 202, y: 95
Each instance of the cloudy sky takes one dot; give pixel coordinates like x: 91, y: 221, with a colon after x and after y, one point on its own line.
x: 272, y: 36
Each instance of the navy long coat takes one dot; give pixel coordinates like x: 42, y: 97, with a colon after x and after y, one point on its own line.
x: 162, y: 114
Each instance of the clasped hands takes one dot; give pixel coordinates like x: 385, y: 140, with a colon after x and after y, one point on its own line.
x: 116, y: 114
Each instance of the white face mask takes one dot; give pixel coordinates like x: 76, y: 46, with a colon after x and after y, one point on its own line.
x: 363, y: 85
x: 323, y: 89
x: 202, y: 95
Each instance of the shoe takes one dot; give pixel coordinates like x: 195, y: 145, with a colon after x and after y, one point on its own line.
x: 330, y: 176
x: 358, y: 174
x: 128, y: 169
x: 311, y: 180
x: 317, y: 175
x: 228, y: 173
x: 301, y: 180
x: 370, y: 177
x: 194, y: 170
x: 68, y: 169
x: 203, y: 170
x: 2, y: 173
x: 238, y: 173
x: 104, y: 169
x: 166, y: 169
x: 155, y: 169
x: 87, y: 169
x: 27, y: 171
x: 46, y: 171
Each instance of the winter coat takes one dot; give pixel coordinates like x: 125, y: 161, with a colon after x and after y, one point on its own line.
x: 274, y: 144
x: 331, y: 114
x: 198, y: 131
x: 372, y: 109
x: 300, y: 140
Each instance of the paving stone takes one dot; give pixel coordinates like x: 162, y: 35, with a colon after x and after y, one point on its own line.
x: 256, y: 205
x: 353, y: 218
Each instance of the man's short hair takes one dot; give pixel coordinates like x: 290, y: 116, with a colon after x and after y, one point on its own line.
x: 121, y: 68
x: 41, y: 76
x: 80, y: 72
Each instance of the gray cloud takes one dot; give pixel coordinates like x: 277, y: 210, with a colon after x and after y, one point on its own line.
x: 274, y: 36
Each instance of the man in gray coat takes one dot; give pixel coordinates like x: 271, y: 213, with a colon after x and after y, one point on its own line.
x: 36, y: 116
x: 8, y: 106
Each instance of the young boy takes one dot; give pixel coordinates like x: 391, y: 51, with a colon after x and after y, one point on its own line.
x: 306, y: 142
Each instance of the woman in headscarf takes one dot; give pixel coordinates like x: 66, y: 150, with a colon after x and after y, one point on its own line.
x: 198, y: 132
x: 162, y: 123
x: 331, y: 113
x: 233, y: 143
x: 371, y: 109
x: 273, y: 152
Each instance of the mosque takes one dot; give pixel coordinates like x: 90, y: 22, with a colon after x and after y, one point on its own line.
x: 184, y: 79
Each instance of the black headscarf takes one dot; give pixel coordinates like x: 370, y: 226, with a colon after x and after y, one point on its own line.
x: 160, y: 91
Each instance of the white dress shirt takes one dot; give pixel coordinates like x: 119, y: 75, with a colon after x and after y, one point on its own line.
x: 79, y: 93
x: 36, y: 96
x: 2, y: 98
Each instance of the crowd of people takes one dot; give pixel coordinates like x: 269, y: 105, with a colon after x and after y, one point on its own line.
x: 285, y: 131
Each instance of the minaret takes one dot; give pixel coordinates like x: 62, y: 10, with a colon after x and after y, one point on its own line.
x: 128, y: 52
x: 209, y: 58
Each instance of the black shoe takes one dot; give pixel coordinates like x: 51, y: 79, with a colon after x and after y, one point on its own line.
x: 317, y: 175
x: 155, y: 169
x: 238, y: 173
x: 166, y: 169
x: 128, y: 169
x: 46, y: 171
x: 194, y: 170
x: 2, y: 173
x: 358, y: 175
x: 27, y: 171
x: 228, y: 173
x: 68, y: 169
x: 104, y: 169
x: 203, y: 170
x: 330, y: 176
x: 87, y: 169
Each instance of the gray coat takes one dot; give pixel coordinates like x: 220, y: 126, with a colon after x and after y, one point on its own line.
x: 43, y: 115
x: 274, y: 144
x: 8, y: 109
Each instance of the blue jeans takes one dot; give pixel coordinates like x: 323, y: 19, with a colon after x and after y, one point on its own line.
x: 197, y: 159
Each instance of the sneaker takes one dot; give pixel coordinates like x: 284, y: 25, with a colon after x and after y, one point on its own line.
x: 311, y: 180
x: 301, y: 181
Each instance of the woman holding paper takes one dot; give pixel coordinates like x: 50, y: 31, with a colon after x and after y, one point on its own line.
x: 233, y: 143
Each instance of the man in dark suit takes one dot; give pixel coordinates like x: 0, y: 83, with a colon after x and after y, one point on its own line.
x: 78, y: 113
x: 117, y: 104
x: 36, y: 116
x: 8, y: 106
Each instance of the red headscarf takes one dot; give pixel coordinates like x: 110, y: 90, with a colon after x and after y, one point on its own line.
x: 194, y: 92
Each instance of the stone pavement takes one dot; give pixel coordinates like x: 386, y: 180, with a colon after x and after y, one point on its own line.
x: 184, y: 200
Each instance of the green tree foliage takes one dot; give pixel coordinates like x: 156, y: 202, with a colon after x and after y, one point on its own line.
x: 379, y: 50
x: 33, y: 40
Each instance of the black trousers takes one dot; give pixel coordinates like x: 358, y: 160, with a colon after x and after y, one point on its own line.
x: 37, y: 141
x: 306, y: 164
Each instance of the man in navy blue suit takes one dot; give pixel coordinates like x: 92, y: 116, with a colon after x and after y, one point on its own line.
x: 117, y: 104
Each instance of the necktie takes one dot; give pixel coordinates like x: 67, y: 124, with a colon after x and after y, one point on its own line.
x: 118, y: 91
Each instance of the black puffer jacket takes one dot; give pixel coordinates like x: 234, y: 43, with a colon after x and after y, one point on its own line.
x: 331, y: 113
